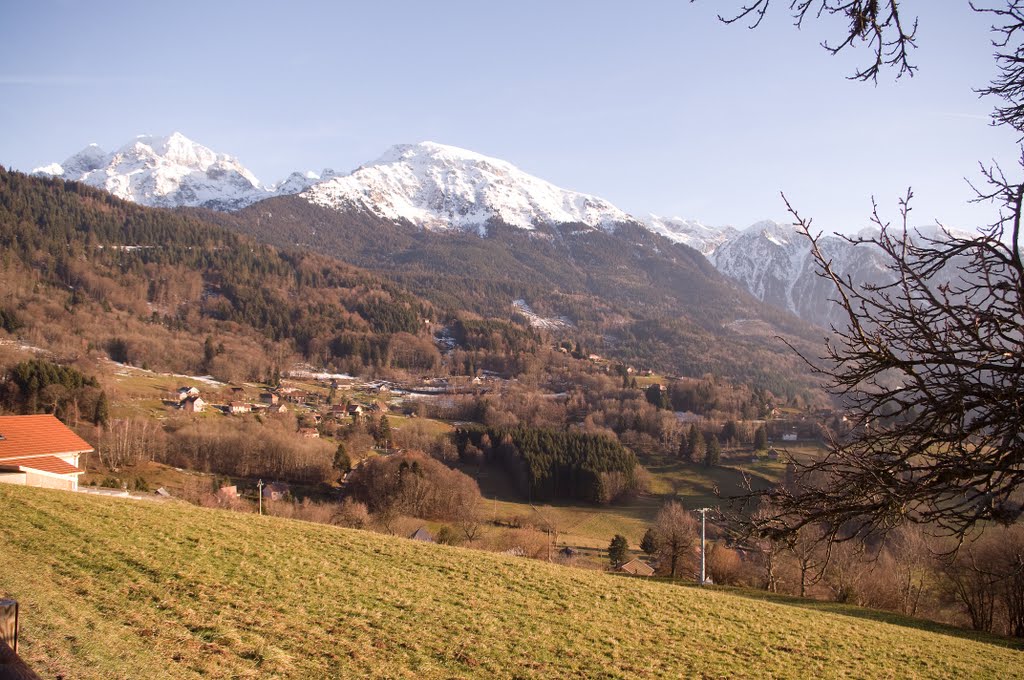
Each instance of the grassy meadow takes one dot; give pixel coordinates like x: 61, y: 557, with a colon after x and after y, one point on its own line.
x: 114, y: 588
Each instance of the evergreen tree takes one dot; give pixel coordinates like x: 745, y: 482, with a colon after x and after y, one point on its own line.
x: 209, y: 352
x: 730, y: 432
x: 102, y: 413
x: 617, y: 550
x: 696, y: 445
x: 713, y: 454
x: 383, y: 431
x: 658, y: 397
x: 342, y: 461
x: 649, y: 543
x: 684, y: 447
x: 761, y: 439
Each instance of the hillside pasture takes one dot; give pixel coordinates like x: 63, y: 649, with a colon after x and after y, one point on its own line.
x: 111, y: 588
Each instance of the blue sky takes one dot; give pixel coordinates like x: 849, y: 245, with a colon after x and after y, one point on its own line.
x: 655, y: 106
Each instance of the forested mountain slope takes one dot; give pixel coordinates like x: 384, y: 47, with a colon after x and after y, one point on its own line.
x: 84, y: 271
x: 628, y: 293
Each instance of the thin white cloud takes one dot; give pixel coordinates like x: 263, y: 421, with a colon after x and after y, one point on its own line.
x: 62, y: 80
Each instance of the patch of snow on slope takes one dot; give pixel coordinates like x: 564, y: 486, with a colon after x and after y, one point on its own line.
x: 538, y: 321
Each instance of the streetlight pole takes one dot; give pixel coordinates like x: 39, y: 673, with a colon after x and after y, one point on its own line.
x: 259, y: 493
x: 703, y: 514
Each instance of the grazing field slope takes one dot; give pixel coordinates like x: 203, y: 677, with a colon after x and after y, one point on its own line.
x: 126, y: 589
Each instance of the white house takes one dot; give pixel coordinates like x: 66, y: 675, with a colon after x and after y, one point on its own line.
x: 193, y: 405
x: 40, y: 451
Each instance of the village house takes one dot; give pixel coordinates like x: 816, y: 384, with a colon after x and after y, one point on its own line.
x: 277, y: 408
x: 185, y: 392
x: 268, y: 398
x: 193, y: 404
x: 295, y: 396
x: 275, y: 491
x: 355, y: 410
x: 40, y: 451
x: 309, y: 432
x: 238, y: 407
x: 637, y: 567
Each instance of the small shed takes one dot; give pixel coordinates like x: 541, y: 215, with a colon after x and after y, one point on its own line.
x: 637, y: 567
x: 422, y: 534
x: 268, y: 398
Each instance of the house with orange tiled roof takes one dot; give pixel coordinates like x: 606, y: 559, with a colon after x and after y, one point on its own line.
x: 40, y: 451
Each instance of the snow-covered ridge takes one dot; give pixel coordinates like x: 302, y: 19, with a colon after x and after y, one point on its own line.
x: 690, y: 232
x: 440, y: 187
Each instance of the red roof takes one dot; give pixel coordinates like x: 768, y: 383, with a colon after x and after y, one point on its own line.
x: 44, y: 464
x: 43, y: 435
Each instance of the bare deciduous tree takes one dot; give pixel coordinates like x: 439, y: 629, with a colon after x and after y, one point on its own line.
x: 932, y: 363
x: 675, y: 532
x: 932, y: 368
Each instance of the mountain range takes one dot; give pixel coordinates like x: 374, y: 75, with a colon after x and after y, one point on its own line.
x: 440, y: 188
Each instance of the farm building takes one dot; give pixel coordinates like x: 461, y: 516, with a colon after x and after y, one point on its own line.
x: 40, y: 451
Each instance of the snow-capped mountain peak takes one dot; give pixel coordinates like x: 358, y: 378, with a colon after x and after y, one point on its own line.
x: 165, y: 172
x: 783, y: 235
x: 438, y: 187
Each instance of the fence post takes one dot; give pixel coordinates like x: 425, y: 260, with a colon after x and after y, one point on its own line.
x: 9, y: 623
x: 11, y: 665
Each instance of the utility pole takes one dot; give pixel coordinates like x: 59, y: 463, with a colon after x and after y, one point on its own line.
x: 703, y: 572
x: 259, y: 493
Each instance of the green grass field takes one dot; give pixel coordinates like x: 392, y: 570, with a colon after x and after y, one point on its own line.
x: 582, y: 525
x: 112, y: 588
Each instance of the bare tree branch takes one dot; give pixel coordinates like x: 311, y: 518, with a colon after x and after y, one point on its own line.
x: 931, y: 368
x: 874, y: 22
